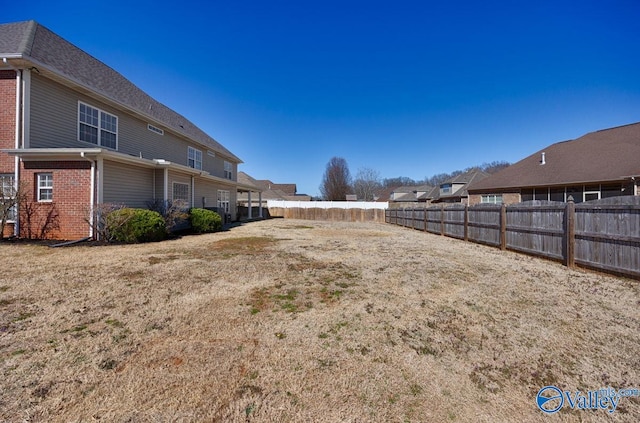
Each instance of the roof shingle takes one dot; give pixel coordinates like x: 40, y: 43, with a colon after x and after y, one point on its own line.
x: 607, y: 155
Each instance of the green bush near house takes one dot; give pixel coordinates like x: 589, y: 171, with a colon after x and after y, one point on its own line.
x: 136, y: 225
x: 203, y: 221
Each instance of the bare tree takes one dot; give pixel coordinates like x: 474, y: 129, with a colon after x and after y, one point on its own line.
x: 97, y: 218
x: 336, y: 182
x: 366, y: 183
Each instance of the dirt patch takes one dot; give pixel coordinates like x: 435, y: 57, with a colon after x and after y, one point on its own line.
x: 288, y: 321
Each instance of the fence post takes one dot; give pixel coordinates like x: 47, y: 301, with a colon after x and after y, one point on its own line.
x: 503, y: 227
x: 466, y: 222
x: 442, y: 219
x: 413, y: 217
x: 425, y: 218
x: 570, y: 233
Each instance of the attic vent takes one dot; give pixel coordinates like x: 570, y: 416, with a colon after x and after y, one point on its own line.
x: 155, y: 129
x: 211, y: 153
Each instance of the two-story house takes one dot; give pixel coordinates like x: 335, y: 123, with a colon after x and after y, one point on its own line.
x: 76, y: 134
x: 454, y: 189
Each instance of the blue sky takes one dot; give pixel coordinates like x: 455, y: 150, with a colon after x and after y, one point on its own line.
x: 407, y: 88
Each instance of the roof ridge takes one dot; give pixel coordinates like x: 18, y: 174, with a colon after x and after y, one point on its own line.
x: 614, y: 127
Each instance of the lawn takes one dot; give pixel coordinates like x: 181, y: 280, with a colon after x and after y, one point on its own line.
x: 291, y: 321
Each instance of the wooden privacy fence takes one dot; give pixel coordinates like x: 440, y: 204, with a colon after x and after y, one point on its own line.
x: 602, y: 235
x: 331, y: 214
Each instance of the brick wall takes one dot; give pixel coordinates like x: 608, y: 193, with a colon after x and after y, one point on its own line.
x: 71, y: 200
x: 7, y: 118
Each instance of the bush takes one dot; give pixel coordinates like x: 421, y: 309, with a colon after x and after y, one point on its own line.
x: 203, y: 220
x: 173, y: 212
x: 136, y: 225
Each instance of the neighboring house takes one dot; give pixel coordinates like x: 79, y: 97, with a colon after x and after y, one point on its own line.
x: 269, y: 191
x: 600, y: 164
x: 425, y: 193
x: 409, y: 196
x: 455, y: 189
x: 403, y: 194
x: 76, y: 134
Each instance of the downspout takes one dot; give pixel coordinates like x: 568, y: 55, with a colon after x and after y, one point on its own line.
x: 92, y: 194
x: 18, y: 137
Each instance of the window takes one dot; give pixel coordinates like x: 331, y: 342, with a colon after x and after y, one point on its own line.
x: 491, y: 199
x: 228, y: 170
x: 194, y: 158
x: 181, y: 193
x: 556, y: 194
x: 97, y: 127
x: 7, y: 196
x: 6, y: 185
x: 223, y: 201
x: 45, y: 186
x: 445, y: 189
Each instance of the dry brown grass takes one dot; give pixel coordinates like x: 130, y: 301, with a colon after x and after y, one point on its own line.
x: 288, y: 321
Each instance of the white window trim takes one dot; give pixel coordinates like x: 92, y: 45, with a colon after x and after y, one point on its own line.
x: 196, y: 153
x: 491, y: 199
x: 224, y: 200
x: 8, y: 187
x: 100, y: 129
x: 40, y: 188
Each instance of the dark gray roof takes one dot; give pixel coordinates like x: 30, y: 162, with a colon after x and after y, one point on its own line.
x: 36, y: 44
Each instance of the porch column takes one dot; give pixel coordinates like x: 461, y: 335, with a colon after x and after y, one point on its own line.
x: 165, y: 188
x: 260, y: 204
x: 249, y: 204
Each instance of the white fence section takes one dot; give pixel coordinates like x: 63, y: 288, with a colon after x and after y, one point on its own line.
x: 364, y: 205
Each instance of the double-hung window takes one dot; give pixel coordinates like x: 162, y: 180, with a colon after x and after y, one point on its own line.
x: 194, y: 158
x: 97, y: 127
x: 228, y: 170
x: 8, y: 196
x: 45, y: 187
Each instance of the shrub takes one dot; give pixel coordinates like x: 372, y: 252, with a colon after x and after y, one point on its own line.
x: 173, y: 212
x: 203, y: 220
x: 136, y: 225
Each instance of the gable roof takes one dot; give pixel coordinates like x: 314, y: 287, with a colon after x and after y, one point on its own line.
x: 288, y: 189
x: 607, y: 155
x: 466, y: 179
x: 35, y: 45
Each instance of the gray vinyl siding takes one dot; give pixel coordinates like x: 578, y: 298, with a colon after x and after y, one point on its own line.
x: 54, y: 124
x: 208, y: 190
x: 159, y: 184
x: 54, y: 115
x: 128, y: 185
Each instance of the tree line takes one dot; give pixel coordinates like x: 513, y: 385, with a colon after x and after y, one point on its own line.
x: 337, y: 181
